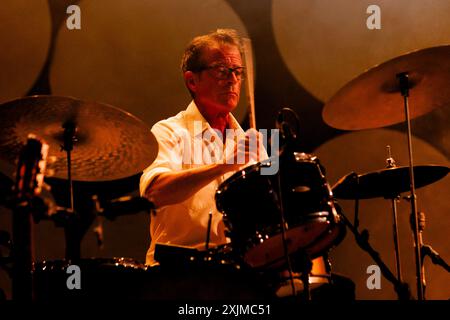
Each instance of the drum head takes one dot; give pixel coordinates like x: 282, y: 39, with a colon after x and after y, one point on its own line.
x: 270, y: 250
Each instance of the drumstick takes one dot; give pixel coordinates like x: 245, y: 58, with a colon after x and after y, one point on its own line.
x: 250, y: 89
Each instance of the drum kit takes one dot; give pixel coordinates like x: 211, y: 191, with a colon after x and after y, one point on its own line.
x: 283, y: 224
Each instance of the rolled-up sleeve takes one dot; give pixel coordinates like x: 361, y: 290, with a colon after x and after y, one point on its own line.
x: 169, y: 156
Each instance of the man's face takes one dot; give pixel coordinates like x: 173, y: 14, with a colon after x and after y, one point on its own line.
x: 212, y: 92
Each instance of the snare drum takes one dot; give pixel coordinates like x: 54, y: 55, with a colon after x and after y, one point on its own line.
x: 251, y: 207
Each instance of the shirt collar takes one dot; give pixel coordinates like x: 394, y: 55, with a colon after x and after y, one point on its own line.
x: 192, y: 114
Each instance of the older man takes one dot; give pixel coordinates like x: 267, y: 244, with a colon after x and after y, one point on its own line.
x: 196, y: 150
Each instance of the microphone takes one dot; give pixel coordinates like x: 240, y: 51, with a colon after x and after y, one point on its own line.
x: 287, y: 132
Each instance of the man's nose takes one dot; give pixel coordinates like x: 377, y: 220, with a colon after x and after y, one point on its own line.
x: 232, y: 78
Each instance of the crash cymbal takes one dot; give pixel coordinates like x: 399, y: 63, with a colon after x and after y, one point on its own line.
x: 110, y: 143
x: 386, y: 183
x: 373, y: 99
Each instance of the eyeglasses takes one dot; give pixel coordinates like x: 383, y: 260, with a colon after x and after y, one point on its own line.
x: 222, y: 72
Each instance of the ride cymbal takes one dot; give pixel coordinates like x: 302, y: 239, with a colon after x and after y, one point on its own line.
x: 109, y: 143
x: 373, y: 99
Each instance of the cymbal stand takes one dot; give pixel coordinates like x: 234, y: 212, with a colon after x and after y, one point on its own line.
x: 362, y: 239
x: 394, y: 198
x: 69, y: 139
x: 73, y: 238
x: 404, y: 90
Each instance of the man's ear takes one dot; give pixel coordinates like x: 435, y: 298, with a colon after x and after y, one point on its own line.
x: 190, y: 80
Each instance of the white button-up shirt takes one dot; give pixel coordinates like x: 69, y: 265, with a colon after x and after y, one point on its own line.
x: 187, y: 141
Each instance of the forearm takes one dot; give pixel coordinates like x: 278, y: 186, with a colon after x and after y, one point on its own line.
x: 174, y: 187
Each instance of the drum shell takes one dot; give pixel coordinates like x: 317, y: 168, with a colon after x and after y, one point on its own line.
x: 251, y: 207
x: 125, y: 279
x: 100, y: 278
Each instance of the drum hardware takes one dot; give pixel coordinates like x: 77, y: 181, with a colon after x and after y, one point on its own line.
x: 403, y: 78
x: 362, y: 239
x: 46, y: 209
x: 250, y: 205
x: 374, y: 89
x: 29, y: 179
x: 269, y: 218
x: 174, y: 256
x: 69, y: 138
x: 388, y: 183
x: 427, y: 250
x: 103, y: 144
x: 287, y: 120
x: 208, y: 230
x: 390, y: 163
x: 435, y: 257
x: 111, y: 209
x: 289, y: 137
x: 320, y: 275
x: 105, y: 148
x: 304, y: 276
x: 126, y: 205
x: 111, y: 143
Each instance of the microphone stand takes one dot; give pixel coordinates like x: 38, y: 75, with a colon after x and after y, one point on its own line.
x: 291, y: 144
x: 283, y: 236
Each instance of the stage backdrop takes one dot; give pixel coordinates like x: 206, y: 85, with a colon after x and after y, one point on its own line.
x: 127, y: 54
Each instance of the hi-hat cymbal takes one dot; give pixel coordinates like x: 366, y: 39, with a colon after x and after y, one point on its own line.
x: 110, y: 143
x: 387, y: 183
x: 373, y: 99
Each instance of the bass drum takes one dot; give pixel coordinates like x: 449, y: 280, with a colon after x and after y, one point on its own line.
x: 251, y: 207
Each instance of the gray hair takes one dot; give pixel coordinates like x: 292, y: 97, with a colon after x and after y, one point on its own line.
x: 192, y: 57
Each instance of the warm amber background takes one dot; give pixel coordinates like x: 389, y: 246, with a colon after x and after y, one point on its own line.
x: 127, y: 55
